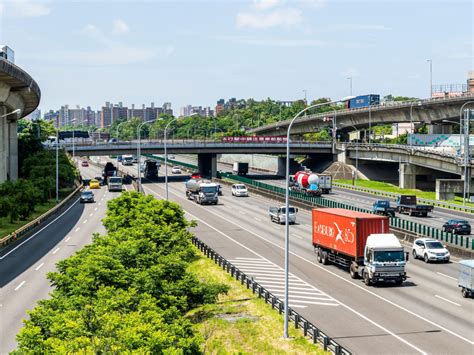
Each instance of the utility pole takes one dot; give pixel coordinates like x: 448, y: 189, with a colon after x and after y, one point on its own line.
x: 467, y: 159
x: 431, y: 77
x: 350, y: 85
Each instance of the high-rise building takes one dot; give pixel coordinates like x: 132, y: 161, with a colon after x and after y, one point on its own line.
x: 220, y: 106
x: 7, y: 53
x: 167, y: 108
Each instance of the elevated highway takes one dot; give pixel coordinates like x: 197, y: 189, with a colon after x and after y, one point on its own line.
x: 19, y: 96
x: 431, y: 111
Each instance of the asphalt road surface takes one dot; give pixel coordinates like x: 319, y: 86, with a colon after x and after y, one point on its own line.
x: 425, y: 315
x: 24, y: 265
x: 360, y: 199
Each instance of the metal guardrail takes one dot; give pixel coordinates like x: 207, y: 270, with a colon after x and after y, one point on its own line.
x: 395, y: 222
x: 309, y: 329
x: 393, y: 195
x: 20, y: 232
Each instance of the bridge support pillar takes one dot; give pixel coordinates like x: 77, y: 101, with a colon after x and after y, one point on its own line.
x: 294, y: 166
x: 13, y: 149
x: 407, y: 176
x: 4, y: 144
x: 440, y: 129
x: 207, y: 164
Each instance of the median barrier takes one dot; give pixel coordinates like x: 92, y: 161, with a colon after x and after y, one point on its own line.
x: 24, y: 230
x: 309, y: 329
x: 394, y: 195
x: 407, y: 230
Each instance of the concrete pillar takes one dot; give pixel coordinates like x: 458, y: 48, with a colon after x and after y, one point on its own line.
x: 13, y: 149
x: 446, y: 188
x: 3, y: 145
x: 207, y: 164
x: 294, y: 166
x: 407, y: 176
x: 440, y: 129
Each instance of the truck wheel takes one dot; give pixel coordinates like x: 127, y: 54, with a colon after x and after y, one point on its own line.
x: 465, y: 292
x: 426, y: 259
x: 366, y: 279
x: 353, y: 271
x: 320, y: 260
x: 399, y: 282
x: 324, y: 258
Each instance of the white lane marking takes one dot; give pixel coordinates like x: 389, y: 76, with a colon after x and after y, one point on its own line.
x: 77, y: 229
x: 297, y: 236
x: 67, y: 239
x: 42, y: 229
x: 39, y: 266
x: 56, y: 250
x: 450, y: 277
x: 445, y: 299
x: 258, y: 219
x: 95, y: 209
x: 85, y: 221
x: 91, y: 215
x: 296, y: 306
x: 294, y: 297
x: 342, y: 304
x: 335, y: 275
x: 21, y: 284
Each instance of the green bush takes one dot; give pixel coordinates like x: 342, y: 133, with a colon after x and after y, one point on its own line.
x: 127, y: 291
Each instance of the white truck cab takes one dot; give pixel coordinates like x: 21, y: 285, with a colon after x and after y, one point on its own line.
x: 278, y: 214
x: 384, y: 260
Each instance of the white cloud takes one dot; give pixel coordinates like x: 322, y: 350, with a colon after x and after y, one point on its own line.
x: 23, y: 8
x: 284, y: 42
x: 120, y: 27
x: 313, y: 3
x: 169, y: 50
x: 278, y: 17
x: 359, y: 28
x: 266, y: 4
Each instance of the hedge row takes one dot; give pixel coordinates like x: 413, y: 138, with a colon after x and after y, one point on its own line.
x: 128, y: 291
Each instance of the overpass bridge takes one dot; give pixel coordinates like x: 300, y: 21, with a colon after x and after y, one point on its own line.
x: 431, y: 111
x: 206, y: 150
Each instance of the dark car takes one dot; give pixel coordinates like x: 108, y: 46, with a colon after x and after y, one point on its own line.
x: 87, y: 196
x: 457, y: 226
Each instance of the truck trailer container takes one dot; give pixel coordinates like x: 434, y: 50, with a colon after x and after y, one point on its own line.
x: 359, y: 241
x: 466, y: 277
x: 363, y: 101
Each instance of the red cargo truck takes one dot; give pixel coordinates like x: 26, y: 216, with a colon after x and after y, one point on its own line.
x: 358, y: 241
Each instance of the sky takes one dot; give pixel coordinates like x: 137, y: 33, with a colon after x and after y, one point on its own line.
x: 196, y: 52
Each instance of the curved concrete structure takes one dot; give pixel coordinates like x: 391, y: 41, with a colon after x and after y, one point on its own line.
x: 18, y: 91
x: 432, y: 111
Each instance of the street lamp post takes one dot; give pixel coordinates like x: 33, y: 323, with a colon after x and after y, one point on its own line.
x: 287, y: 205
x: 431, y: 76
x: 350, y: 84
x: 466, y: 159
x: 166, y: 156
x: 57, y: 163
x: 139, y: 174
x: 73, y: 138
x: 412, y: 128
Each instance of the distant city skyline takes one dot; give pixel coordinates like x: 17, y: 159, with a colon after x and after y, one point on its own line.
x: 251, y: 49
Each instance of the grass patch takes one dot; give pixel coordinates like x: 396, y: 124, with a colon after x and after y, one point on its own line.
x: 240, y: 322
x: 387, y: 187
x: 6, y: 227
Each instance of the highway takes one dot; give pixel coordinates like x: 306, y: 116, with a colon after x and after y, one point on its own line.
x: 426, y: 315
x: 24, y: 265
x: 360, y: 199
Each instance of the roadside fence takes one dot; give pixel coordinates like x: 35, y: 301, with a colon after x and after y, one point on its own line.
x: 309, y: 329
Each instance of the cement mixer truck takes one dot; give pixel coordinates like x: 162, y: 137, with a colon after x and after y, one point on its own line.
x: 306, y: 182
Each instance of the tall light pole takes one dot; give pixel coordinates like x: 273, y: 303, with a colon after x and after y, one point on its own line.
x: 357, y: 153
x: 431, y: 76
x: 350, y: 85
x: 305, y: 101
x: 57, y: 161
x: 139, y: 151
x: 166, y: 156
x: 465, y: 126
x: 73, y: 145
x: 412, y: 127
x: 287, y: 204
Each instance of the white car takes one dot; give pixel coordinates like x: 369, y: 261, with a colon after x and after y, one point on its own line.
x: 176, y: 170
x: 430, y: 250
x: 239, y: 190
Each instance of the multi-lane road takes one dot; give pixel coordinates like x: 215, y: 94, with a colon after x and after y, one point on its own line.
x: 425, y: 315
x: 23, y: 266
x: 360, y: 199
